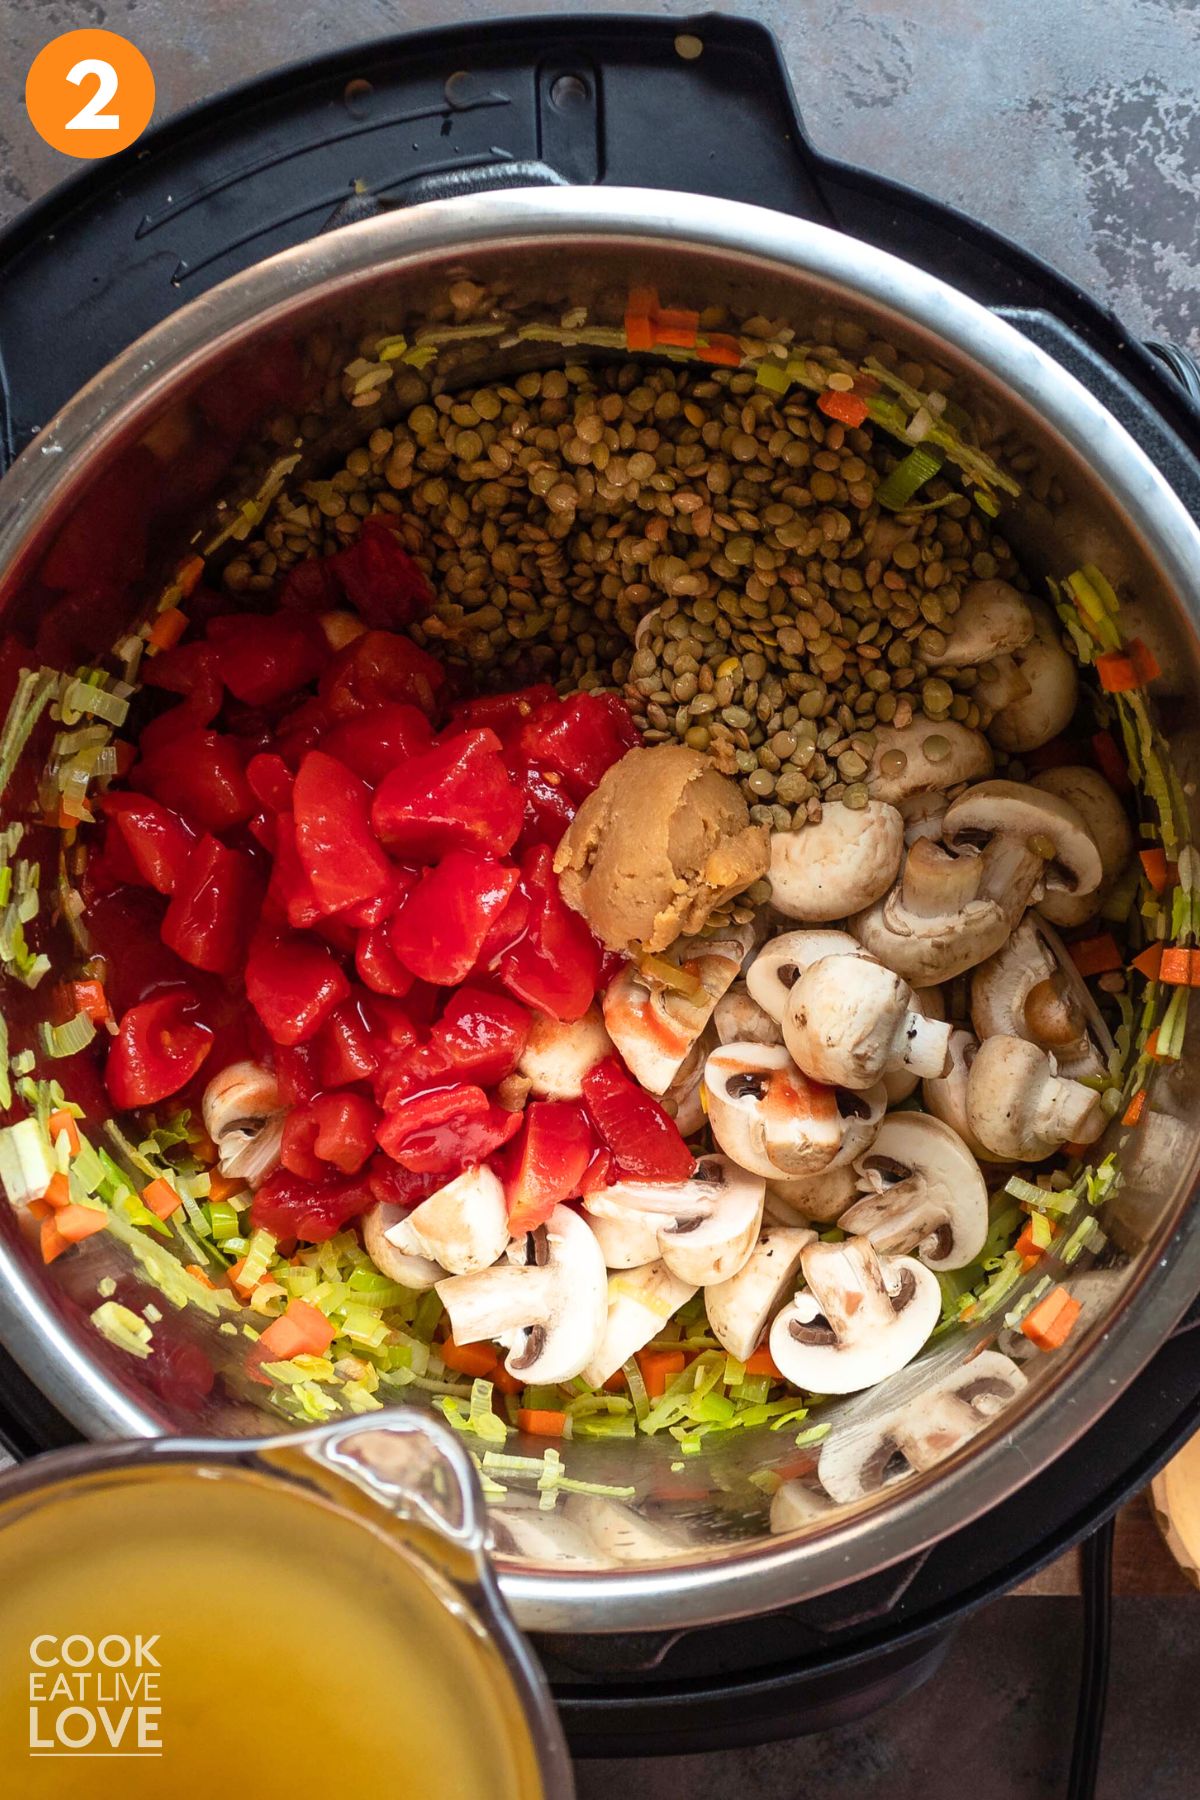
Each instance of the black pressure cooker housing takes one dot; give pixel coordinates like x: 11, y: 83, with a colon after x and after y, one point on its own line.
x: 621, y: 101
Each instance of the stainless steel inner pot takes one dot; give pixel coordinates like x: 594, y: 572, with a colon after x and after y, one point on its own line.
x: 699, y: 1543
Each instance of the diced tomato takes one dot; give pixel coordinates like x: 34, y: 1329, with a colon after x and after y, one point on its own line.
x: 293, y: 984
x: 214, y: 907
x: 337, y: 847
x: 505, y: 714
x: 393, y: 1186
x: 262, y: 660
x: 270, y: 781
x: 200, y: 773
x: 160, y: 1044
x: 548, y: 807
x: 445, y: 1128
x: 600, y: 1172
x: 578, y: 739
x: 377, y: 741
x: 158, y: 841
x: 347, y: 1046
x: 442, y: 925
x: 189, y: 670
x: 385, y: 586
x: 379, y: 667
x: 480, y: 1035
x: 335, y: 1128
x: 378, y: 966
x: 289, y: 1207
x: 311, y: 585
x: 297, y: 1071
x: 290, y: 893
x: 455, y: 796
x: 641, y: 1134
x: 511, y: 925
x: 555, y: 966
x: 548, y: 1161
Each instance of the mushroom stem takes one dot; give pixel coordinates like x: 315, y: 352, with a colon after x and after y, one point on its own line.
x: 935, y: 883
x: 1068, y: 1111
x: 496, y: 1301
x: 846, y: 1283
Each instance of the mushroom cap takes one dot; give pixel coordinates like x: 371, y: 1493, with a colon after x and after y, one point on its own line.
x: 740, y: 1019
x: 627, y: 1239
x: 1053, y: 681
x: 849, y: 1019
x: 993, y: 619
x: 558, y: 1054
x: 1108, y: 826
x: 1011, y: 809
x: 244, y: 1113
x: 931, y: 940
x: 945, y: 1096
x: 1020, y: 1109
x: 859, y: 1458
x: 838, y: 865
x: 922, y: 1192
x: 925, y: 757
x: 775, y: 969
x: 821, y: 1199
x: 703, y: 1228
x: 1031, y: 989
x: 463, y: 1226
x: 640, y: 1301
x: 860, y: 1319
x: 768, y: 1117
x: 415, y: 1272
x: 740, y: 1308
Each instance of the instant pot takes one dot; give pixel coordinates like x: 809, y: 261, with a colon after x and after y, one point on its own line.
x: 554, y: 166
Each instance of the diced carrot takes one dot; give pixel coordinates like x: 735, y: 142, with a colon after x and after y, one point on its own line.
x: 189, y: 575
x: 200, y: 1275
x: 38, y: 1209
x: 468, y: 1359
x: 718, y: 347
x: 222, y: 1187
x: 1137, y: 1106
x: 616, y: 1383
x: 1153, y: 1051
x: 796, y: 1466
x: 1145, y: 663
x: 676, y: 327
x: 74, y: 1223
x: 167, y: 629
x: 848, y: 409
x: 507, y: 1384
x: 1026, y: 1244
x: 1160, y: 873
x: 761, y: 1362
x: 235, y: 1277
x: 1111, y: 762
x: 1176, y: 965
x: 52, y: 1241
x: 1078, y: 1152
x: 90, y: 998
x: 160, y: 1198
x: 1096, y: 955
x: 1116, y: 671
x: 301, y: 1330
x: 62, y: 820
x: 657, y: 1368
x: 640, y: 315
x: 58, y: 1194
x: 1149, y: 962
x: 64, y: 1121
x: 539, y: 1422
x: 1052, y: 1320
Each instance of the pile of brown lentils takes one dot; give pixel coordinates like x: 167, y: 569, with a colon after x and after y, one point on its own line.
x: 782, y: 615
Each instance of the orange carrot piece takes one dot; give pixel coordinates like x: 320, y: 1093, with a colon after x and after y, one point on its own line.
x: 189, y: 575
x: 640, y: 315
x: 1145, y: 663
x: 90, y: 998
x: 235, y: 1277
x: 58, y: 1194
x: 1160, y: 873
x: 1148, y: 962
x: 763, y: 1363
x: 222, y: 1187
x: 507, y: 1384
x: 721, y: 349
x: 160, y: 1198
x: 1026, y: 1245
x: 616, y: 1383
x: 1176, y: 965
x: 38, y: 1209
x: 1052, y: 1320
x: 301, y: 1330
x: 1137, y: 1106
x: 1116, y: 671
x: 676, y: 327
x: 200, y: 1275
x: 541, y: 1422
x: 1096, y: 955
x: 1111, y: 762
x: 52, y: 1241
x: 74, y: 1223
x: 468, y: 1359
x: 657, y: 1368
x: 167, y: 629
x: 61, y: 1120
x: 847, y: 409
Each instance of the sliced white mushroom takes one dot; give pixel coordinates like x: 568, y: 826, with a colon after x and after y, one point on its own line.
x: 1108, y: 826
x: 819, y: 1199
x: 862, y: 1112
x: 640, y: 1301
x: 1020, y: 1109
x: 849, y: 1020
x: 627, y: 1239
x: 244, y: 1116
x: 549, y: 1312
x: 922, y: 1192
x: 548, y: 1538
x: 463, y: 1226
x: 1031, y: 989
x: 859, y: 1319
x: 705, y: 1226
x: 416, y: 1272
x: 778, y: 965
x: 900, y: 1083
x: 1030, y: 842
x: 684, y: 1099
x: 739, y: 1019
x: 859, y: 1459
x: 766, y: 1115
x: 741, y: 1308
x: 620, y: 1534
x: 558, y: 1054
x: 1049, y: 675
x: 838, y: 865
x: 656, y: 1010
x: 945, y: 1096
x: 925, y: 758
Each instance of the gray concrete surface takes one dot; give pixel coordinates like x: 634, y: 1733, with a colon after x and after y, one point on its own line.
x: 1072, y: 125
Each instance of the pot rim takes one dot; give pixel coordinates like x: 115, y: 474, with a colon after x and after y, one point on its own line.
x: 780, y: 1571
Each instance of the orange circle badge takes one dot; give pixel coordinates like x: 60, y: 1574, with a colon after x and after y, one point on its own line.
x: 89, y: 93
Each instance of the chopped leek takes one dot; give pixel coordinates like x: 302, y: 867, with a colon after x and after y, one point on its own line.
x: 123, y: 1328
x: 68, y: 1039
x: 26, y: 1162
x: 908, y: 477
